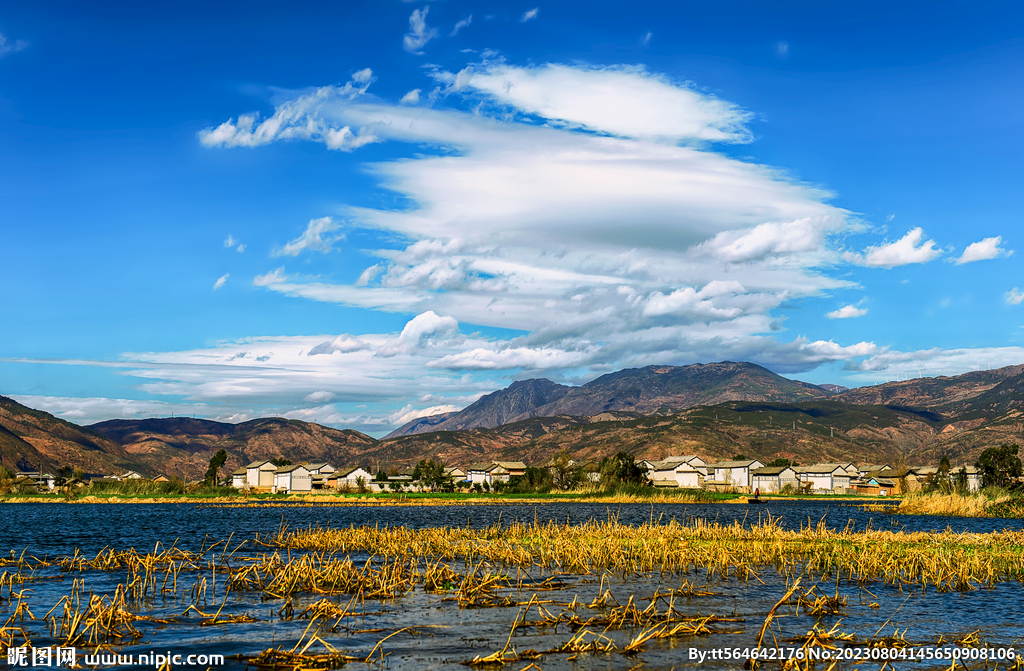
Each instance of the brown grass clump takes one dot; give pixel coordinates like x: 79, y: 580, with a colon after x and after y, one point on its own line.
x: 952, y: 505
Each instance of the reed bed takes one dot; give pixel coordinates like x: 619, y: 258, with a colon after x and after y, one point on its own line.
x: 947, y: 560
x: 952, y: 505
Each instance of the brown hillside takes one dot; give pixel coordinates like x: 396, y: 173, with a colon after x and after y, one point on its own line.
x: 33, y: 439
x: 184, y: 446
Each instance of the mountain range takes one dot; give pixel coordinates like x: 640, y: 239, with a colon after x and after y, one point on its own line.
x: 717, y: 410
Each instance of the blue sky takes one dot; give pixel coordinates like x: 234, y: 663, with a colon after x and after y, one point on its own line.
x: 360, y: 213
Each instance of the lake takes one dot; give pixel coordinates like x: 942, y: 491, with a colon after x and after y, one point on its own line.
x: 439, y: 634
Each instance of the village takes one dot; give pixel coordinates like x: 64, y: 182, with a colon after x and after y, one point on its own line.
x: 743, y: 476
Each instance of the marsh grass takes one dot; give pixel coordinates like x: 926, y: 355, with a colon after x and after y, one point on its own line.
x: 947, y: 560
x: 978, y: 504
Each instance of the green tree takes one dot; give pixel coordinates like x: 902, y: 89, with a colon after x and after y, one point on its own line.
x: 431, y: 474
x: 960, y: 483
x: 739, y: 457
x: 999, y: 466
x: 564, y: 472
x: 216, y: 461
x: 780, y: 462
x: 280, y: 461
x: 382, y: 476
x: 622, y: 468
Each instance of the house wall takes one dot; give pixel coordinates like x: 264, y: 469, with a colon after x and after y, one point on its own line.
x: 293, y: 481
x: 739, y: 477
x: 352, y: 478
x: 689, y: 479
x: 768, y: 484
x: 817, y: 481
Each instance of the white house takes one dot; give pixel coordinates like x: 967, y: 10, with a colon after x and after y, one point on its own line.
x: 260, y: 474
x: 490, y: 473
x: 349, y: 477
x: 824, y: 477
x: 455, y: 473
x: 732, y: 473
x: 684, y: 471
x: 514, y: 468
x: 320, y: 468
x: 294, y: 478
x: 771, y: 479
x: 238, y: 479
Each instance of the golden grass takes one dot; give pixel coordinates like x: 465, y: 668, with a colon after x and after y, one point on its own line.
x: 953, y: 505
x: 944, y: 560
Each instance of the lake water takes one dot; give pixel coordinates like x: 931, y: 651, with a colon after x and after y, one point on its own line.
x: 445, y: 636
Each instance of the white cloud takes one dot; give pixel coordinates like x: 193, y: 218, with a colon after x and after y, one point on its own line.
x: 847, y: 312
x: 646, y: 39
x: 529, y: 15
x: 936, y: 361
x: 419, y: 32
x: 274, y: 277
x: 983, y: 250
x: 806, y: 235
x: 906, y: 250
x: 231, y: 242
x: 408, y: 413
x: 296, y: 120
x: 781, y: 50
x: 1014, y: 297
x: 343, y: 344
x: 625, y: 101
x: 319, y: 397
x: 220, y: 281
x: 528, y: 358
x: 420, y: 330
x: 88, y: 410
x: 9, y: 47
x: 411, y: 98
x: 313, y: 238
x: 464, y: 23
x: 604, y: 252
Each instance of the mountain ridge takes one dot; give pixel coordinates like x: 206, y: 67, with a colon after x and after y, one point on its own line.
x: 915, y: 421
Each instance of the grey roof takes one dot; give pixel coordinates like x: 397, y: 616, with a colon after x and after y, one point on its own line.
x: 820, y: 468
x: 257, y: 464
x: 734, y: 464
x: 342, y: 473
x: 512, y: 465
x: 289, y: 469
x: 771, y: 470
x: 487, y: 467
x: 239, y: 471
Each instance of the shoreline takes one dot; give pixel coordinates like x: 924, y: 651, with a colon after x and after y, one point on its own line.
x: 421, y: 500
